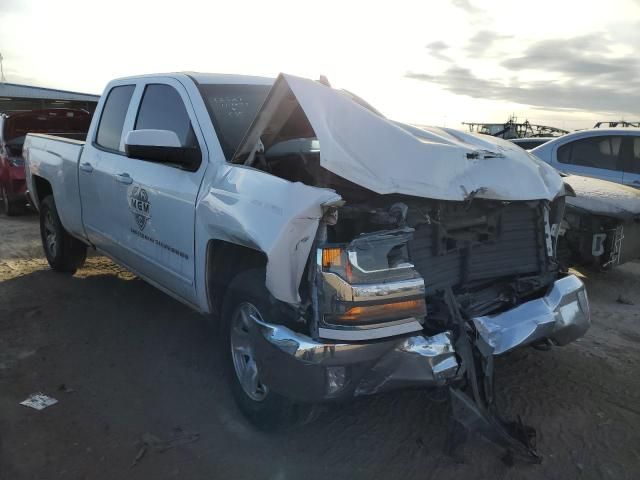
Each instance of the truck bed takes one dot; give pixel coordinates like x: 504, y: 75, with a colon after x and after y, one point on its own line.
x: 55, y: 159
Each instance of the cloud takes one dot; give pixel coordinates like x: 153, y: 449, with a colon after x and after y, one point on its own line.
x: 587, y: 77
x: 549, y: 95
x: 483, y: 41
x: 466, y: 6
x: 586, y: 56
x: 435, y: 50
x: 11, y: 6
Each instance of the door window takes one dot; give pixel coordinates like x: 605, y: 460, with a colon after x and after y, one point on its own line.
x: 113, y: 115
x: 595, y: 152
x: 634, y: 166
x: 162, y: 108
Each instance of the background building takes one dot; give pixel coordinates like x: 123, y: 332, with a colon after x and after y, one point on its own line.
x: 15, y: 98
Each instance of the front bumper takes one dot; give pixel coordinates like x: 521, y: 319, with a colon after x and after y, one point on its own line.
x: 304, y: 369
x: 562, y: 316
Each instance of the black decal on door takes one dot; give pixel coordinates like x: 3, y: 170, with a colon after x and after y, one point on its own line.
x: 140, y: 206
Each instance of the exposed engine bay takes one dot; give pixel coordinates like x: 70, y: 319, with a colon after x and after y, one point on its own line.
x: 492, y: 254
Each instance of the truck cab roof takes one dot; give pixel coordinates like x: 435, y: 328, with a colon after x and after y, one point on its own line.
x: 207, y: 78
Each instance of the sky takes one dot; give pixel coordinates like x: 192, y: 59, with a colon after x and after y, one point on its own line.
x: 564, y: 63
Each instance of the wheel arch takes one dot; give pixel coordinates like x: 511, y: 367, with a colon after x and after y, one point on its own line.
x: 42, y: 188
x: 224, y: 261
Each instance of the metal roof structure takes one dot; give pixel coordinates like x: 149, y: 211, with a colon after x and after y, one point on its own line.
x: 18, y: 98
x: 13, y: 90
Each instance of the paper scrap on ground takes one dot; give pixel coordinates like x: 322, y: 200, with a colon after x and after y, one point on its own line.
x: 39, y: 401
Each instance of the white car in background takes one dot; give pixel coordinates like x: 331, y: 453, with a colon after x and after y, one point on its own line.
x: 611, y: 154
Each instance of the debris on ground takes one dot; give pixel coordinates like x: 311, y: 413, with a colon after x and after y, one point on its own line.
x: 624, y: 300
x: 154, y: 443
x: 65, y: 389
x: 39, y: 401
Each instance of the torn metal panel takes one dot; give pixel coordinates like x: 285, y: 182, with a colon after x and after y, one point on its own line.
x: 562, y: 315
x: 386, y: 157
x: 417, y: 360
x: 266, y: 213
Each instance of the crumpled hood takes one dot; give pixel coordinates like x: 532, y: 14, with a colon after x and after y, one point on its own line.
x: 601, y: 197
x: 388, y: 157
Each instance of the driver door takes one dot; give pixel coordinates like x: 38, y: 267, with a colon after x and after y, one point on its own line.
x: 156, y: 207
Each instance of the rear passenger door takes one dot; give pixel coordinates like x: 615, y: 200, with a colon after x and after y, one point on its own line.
x: 632, y: 162
x: 98, y: 163
x: 157, y: 200
x: 597, y: 156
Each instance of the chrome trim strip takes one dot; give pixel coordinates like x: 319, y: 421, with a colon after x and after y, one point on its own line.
x: 346, y: 292
x: 353, y: 259
x: 370, y: 333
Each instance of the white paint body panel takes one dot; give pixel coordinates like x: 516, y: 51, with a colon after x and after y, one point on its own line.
x: 389, y: 157
x: 245, y: 206
x: 603, y: 198
x: 56, y: 159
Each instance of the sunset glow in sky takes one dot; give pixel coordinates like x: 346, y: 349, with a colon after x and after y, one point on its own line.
x: 563, y: 63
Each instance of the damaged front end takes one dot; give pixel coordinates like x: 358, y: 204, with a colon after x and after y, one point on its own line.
x: 601, y: 226
x: 425, y: 270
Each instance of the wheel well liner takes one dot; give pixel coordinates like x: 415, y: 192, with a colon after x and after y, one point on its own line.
x: 42, y: 188
x: 224, y: 261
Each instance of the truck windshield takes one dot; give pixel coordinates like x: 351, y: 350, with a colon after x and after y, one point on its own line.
x: 232, y: 108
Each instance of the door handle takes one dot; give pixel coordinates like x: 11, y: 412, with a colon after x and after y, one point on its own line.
x: 86, y: 167
x: 124, y: 178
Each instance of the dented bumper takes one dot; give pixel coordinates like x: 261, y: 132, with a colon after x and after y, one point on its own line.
x: 562, y: 316
x: 301, y: 368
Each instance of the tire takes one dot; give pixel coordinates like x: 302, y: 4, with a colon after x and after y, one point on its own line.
x: 64, y: 253
x: 264, y: 408
x: 7, y: 206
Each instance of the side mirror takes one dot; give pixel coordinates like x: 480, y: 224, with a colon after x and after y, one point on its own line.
x: 162, y: 146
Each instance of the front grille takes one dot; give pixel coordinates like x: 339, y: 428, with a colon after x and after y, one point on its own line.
x: 510, y: 242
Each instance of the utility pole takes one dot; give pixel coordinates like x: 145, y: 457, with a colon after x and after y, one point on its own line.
x: 2, y: 78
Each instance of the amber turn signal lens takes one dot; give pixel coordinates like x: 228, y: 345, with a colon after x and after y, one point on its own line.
x: 386, y: 311
x: 331, y: 257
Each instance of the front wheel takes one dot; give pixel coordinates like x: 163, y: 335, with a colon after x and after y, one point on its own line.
x: 64, y: 252
x: 247, y: 300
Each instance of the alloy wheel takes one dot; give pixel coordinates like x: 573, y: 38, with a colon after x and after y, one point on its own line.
x: 242, y: 351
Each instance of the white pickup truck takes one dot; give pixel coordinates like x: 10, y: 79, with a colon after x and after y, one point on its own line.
x: 344, y: 254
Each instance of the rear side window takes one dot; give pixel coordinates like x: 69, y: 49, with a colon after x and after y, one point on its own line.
x: 162, y: 108
x: 634, y: 167
x: 113, y: 115
x: 595, y: 152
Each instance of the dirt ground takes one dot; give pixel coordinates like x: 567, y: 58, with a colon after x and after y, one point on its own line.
x: 128, y: 363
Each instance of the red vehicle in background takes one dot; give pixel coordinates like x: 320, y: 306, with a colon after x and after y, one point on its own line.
x: 63, y: 122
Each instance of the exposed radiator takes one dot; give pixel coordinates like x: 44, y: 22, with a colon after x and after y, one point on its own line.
x: 509, y: 242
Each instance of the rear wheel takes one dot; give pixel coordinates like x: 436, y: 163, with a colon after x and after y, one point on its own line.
x: 64, y: 253
x: 8, y: 207
x: 247, y: 301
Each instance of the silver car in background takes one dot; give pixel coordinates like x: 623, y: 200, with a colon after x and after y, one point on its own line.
x: 611, y: 154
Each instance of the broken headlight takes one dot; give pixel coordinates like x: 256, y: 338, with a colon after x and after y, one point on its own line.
x: 370, y: 281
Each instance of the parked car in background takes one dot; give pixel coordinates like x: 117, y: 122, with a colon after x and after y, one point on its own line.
x: 601, y: 225
x: 602, y: 222
x: 611, y: 154
x: 62, y: 122
x: 529, y: 143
